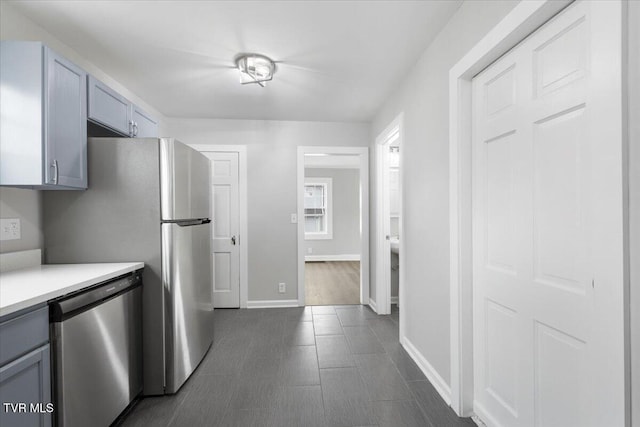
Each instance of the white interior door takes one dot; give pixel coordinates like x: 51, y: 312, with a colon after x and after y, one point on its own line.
x: 390, y: 136
x: 547, y: 227
x: 226, y: 238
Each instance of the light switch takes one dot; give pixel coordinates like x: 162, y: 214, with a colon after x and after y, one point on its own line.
x: 294, y: 218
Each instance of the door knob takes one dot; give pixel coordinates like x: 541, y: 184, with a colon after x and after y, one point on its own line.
x: 233, y: 240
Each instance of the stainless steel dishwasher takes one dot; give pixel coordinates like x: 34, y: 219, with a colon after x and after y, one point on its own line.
x: 96, y: 337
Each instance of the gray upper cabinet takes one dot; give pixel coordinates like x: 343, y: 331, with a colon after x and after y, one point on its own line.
x: 43, y: 130
x: 144, y: 126
x: 108, y: 108
x: 113, y: 111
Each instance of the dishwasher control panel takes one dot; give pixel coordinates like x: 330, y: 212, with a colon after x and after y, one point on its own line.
x: 73, y: 304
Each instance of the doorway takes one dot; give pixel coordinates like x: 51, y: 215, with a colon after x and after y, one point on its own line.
x: 389, y: 242
x: 229, y: 240
x: 332, y: 229
x: 333, y: 253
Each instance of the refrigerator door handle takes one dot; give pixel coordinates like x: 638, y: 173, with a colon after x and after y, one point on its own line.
x: 188, y: 222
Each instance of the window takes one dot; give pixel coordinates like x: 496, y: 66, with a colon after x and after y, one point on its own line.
x: 317, y: 209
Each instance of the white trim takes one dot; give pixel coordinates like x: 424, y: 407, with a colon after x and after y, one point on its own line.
x: 243, y: 238
x: 633, y: 112
x: 363, y: 152
x: 485, y: 418
x: 429, y: 371
x: 383, y: 265
x: 283, y: 303
x: 394, y: 300
x: 343, y: 257
x: 16, y: 260
x: 331, y: 167
x: 373, y: 305
x: 525, y: 18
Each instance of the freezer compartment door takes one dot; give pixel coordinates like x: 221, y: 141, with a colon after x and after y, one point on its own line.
x: 184, y: 182
x: 187, y: 282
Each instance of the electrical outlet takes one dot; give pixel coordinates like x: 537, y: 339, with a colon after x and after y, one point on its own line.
x: 10, y: 229
x: 282, y: 288
x: 309, y: 250
x: 294, y: 218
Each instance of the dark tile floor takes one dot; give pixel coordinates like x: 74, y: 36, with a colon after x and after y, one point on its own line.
x: 321, y: 366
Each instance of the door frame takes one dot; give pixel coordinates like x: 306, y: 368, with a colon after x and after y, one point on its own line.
x: 382, y: 303
x: 524, y: 19
x: 243, y: 237
x: 363, y: 153
x: 633, y: 318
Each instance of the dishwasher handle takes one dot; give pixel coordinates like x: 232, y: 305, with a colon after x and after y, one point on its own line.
x: 72, y: 305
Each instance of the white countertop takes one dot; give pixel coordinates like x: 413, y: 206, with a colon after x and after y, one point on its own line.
x: 31, y: 286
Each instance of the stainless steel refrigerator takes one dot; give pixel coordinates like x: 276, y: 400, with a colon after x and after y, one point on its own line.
x: 148, y: 200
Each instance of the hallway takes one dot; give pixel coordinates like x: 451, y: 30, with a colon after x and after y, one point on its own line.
x: 311, y: 366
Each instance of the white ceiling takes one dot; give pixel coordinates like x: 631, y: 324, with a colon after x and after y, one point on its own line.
x: 337, y: 60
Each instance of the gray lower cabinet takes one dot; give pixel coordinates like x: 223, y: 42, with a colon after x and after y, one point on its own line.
x: 25, y: 390
x: 109, y: 109
x: 43, y: 129
x: 25, y: 375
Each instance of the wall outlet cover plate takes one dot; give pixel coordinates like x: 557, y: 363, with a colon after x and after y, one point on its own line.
x: 10, y: 229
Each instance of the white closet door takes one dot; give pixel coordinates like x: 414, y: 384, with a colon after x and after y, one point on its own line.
x: 547, y: 226
x: 226, y: 219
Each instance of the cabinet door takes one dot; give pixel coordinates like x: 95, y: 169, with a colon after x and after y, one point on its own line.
x: 66, y: 123
x: 26, y: 380
x: 108, y: 108
x: 144, y: 126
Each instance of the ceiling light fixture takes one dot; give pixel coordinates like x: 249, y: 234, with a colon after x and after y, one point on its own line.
x: 255, y: 68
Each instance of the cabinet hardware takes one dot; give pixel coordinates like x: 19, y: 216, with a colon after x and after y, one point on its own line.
x: 55, y: 171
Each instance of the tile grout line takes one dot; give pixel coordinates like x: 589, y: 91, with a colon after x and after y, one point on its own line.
x: 315, y: 340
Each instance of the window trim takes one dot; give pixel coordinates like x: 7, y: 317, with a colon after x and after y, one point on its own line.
x: 328, y: 233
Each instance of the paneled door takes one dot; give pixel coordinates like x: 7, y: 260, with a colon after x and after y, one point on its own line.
x: 226, y: 239
x: 547, y: 227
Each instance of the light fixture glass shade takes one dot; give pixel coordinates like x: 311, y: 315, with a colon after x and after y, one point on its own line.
x: 255, y: 68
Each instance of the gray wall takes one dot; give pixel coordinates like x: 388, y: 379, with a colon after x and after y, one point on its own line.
x: 423, y: 96
x: 271, y: 186
x: 25, y: 205
x: 346, y: 213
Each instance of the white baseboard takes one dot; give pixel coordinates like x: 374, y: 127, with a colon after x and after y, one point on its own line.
x: 345, y: 257
x: 482, y: 417
x: 17, y: 260
x: 432, y: 375
x: 373, y: 305
x: 283, y: 303
x: 394, y: 300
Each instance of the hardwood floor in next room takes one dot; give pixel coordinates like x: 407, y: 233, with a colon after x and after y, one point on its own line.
x: 306, y: 367
x: 332, y: 282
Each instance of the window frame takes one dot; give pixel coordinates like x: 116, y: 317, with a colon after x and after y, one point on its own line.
x: 328, y: 184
